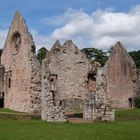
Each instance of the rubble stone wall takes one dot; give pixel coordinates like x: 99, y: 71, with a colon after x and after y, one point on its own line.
x: 71, y: 67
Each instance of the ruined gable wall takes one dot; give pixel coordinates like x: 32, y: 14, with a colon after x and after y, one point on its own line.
x: 71, y: 67
x: 18, y: 67
x: 121, y: 74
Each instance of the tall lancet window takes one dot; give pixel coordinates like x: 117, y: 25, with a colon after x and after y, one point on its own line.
x: 16, y: 42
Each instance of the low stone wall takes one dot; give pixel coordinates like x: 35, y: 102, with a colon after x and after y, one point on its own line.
x: 18, y: 116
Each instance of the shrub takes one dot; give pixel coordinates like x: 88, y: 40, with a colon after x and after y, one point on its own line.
x: 137, y: 102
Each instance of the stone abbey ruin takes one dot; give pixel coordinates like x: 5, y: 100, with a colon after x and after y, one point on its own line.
x: 65, y: 81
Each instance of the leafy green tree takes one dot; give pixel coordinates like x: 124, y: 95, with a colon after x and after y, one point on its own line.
x: 110, y: 50
x: 136, y: 57
x: 96, y: 55
x: 101, y: 56
x: 42, y: 52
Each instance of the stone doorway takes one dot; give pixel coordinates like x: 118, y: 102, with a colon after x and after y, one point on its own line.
x: 73, y: 108
x: 130, y: 102
x: 1, y: 100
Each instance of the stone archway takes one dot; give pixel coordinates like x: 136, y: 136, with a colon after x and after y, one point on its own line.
x: 73, y: 107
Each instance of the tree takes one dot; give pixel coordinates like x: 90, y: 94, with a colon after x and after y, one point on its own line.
x: 42, y: 52
x: 136, y: 57
x: 96, y: 55
x: 110, y: 50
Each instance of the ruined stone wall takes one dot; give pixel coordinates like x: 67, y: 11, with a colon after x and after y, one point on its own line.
x: 97, y: 106
x: 2, y: 70
x: 120, y: 71
x: 68, y: 81
x: 51, y: 111
x: 17, y: 59
x: 64, y: 79
x: 36, y: 84
x: 138, y: 84
x: 70, y: 66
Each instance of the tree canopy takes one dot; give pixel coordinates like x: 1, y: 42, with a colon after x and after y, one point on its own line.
x: 102, y: 56
x: 136, y: 57
x: 41, y: 54
x: 96, y: 55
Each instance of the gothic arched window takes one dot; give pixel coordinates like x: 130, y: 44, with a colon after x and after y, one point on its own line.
x: 16, y: 42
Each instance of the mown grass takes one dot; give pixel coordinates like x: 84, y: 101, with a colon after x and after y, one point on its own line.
x: 39, y: 130
x: 131, y: 114
x: 8, y: 110
x: 135, y: 111
x: 7, y: 114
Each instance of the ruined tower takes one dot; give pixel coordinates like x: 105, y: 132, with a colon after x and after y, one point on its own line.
x: 120, y: 71
x: 22, y: 78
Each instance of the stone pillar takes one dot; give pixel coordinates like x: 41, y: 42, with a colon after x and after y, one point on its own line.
x: 89, y: 107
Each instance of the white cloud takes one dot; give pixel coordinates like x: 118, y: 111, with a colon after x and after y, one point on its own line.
x: 41, y: 40
x: 3, y: 34
x: 101, y: 29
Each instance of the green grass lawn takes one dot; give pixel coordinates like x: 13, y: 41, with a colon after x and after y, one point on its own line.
x: 39, y: 130
x: 135, y: 111
x: 8, y: 110
x: 131, y: 114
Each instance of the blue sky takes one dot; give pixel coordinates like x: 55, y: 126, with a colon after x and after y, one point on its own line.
x: 49, y: 20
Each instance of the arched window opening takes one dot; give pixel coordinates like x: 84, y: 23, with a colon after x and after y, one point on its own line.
x: 16, y: 41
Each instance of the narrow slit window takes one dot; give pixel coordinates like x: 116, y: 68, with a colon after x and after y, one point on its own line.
x: 9, y: 83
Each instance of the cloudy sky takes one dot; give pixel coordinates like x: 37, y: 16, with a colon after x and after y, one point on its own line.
x: 89, y: 23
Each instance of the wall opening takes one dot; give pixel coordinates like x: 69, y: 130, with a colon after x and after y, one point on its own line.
x: 16, y: 40
x: 9, y: 83
x: 53, y: 79
x: 1, y: 100
x: 130, y: 102
x: 73, y: 107
x: 91, y: 81
x: 91, y: 77
x: 53, y: 98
